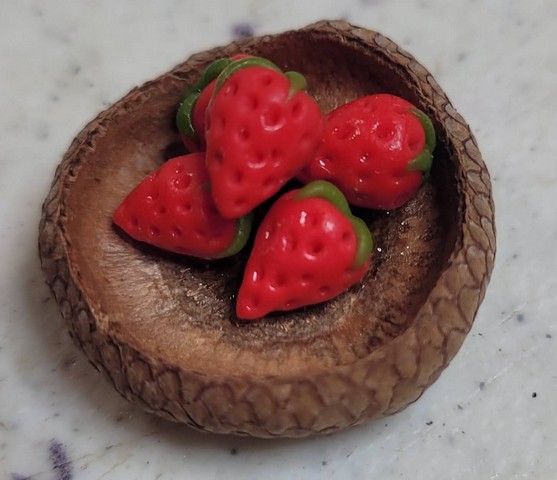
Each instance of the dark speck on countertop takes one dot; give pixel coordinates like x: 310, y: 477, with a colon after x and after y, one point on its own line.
x: 242, y: 30
x: 60, y: 461
x: 17, y: 476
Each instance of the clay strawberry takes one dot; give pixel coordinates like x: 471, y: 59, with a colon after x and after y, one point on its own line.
x: 262, y: 127
x: 308, y: 249
x: 377, y: 150
x: 173, y: 209
x: 190, y: 116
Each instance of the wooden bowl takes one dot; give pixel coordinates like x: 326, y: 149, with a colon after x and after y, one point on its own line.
x: 162, y: 327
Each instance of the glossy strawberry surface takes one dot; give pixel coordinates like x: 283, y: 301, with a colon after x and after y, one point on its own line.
x: 172, y: 208
x: 377, y: 150
x: 262, y: 128
x: 307, y: 250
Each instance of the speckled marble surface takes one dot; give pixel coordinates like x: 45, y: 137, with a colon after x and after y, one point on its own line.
x: 491, y: 414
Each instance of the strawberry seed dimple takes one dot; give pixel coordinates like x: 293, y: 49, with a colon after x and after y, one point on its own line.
x: 266, y: 80
x: 258, y: 160
x: 240, y: 202
x: 176, y: 232
x: 254, y: 301
x: 244, y: 134
x: 185, y: 208
x: 154, y: 231
x: 291, y: 303
x: 383, y: 131
x: 316, y: 248
x: 288, y: 243
x: 238, y: 176
x: 414, y: 144
x: 153, y: 197
x: 219, y: 123
x: 324, y: 290
x: 275, y: 157
x: 257, y: 276
x: 231, y: 88
x: 218, y: 157
x: 344, y: 131
x: 324, y: 162
x: 296, y: 110
x: 182, y: 182
x: 280, y: 282
x: 253, y: 102
x: 272, y: 118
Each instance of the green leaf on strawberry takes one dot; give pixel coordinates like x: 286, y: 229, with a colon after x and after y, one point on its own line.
x: 189, y: 109
x: 423, y: 162
x: 308, y: 249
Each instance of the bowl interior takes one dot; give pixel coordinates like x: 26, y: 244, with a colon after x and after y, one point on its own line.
x: 179, y: 309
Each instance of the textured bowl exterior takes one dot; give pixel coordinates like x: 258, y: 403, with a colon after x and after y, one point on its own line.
x: 383, y: 382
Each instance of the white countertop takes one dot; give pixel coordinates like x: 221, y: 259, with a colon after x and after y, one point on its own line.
x: 492, y: 413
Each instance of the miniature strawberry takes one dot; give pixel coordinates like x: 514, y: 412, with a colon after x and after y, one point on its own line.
x: 262, y: 127
x: 377, y: 150
x: 173, y: 209
x: 190, y: 116
x: 308, y: 249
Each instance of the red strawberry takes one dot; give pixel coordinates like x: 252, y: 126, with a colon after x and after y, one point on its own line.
x: 173, y: 209
x: 261, y: 129
x: 377, y: 150
x: 308, y: 249
x: 190, y: 116
x: 199, y: 113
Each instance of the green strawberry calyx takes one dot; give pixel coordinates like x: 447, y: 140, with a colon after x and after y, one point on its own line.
x: 424, y: 160
x: 328, y: 191
x: 297, y: 80
x: 184, y: 120
x: 298, y: 83
x: 236, y: 65
x: 243, y: 231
